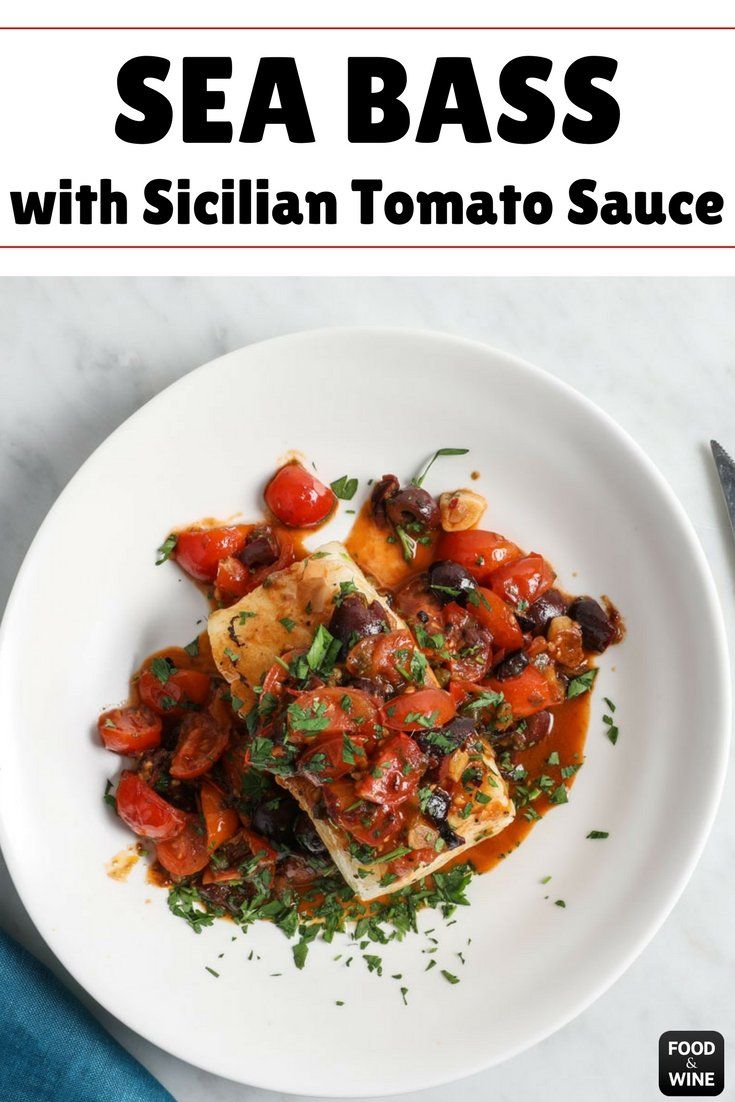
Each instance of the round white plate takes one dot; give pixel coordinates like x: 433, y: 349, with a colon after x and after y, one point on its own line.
x: 89, y: 604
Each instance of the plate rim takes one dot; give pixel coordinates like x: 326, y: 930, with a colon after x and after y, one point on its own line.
x: 722, y: 681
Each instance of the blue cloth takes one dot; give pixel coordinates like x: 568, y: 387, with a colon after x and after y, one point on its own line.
x: 52, y: 1049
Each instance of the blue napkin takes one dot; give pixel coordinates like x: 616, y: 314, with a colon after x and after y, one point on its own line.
x: 52, y: 1049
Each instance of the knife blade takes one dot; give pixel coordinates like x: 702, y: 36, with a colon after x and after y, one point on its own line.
x: 726, y: 473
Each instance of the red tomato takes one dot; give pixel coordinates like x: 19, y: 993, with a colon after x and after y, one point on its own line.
x: 500, y: 619
x: 297, y: 498
x: 276, y: 678
x: 332, y: 758
x: 201, y: 743
x: 220, y: 876
x: 144, y: 811
x: 171, y: 697
x: 199, y: 550
x: 380, y: 656
x: 221, y: 821
x: 187, y: 853
x: 366, y: 822
x: 532, y: 691
x: 333, y: 711
x: 130, y: 730
x: 234, y: 579
x: 433, y: 707
x: 523, y: 580
x: 479, y: 552
x: 259, y: 847
x: 394, y: 773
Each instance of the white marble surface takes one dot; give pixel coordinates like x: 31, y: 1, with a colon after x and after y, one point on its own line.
x: 78, y: 356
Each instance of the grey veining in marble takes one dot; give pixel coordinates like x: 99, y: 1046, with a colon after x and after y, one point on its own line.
x: 77, y: 356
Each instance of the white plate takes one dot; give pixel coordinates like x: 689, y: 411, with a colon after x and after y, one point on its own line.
x: 89, y: 604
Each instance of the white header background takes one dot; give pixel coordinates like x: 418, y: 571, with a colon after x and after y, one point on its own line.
x: 60, y: 102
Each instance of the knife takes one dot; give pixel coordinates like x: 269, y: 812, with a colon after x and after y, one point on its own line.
x: 726, y: 471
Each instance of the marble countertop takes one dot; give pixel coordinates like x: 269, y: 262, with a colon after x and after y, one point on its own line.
x: 78, y: 356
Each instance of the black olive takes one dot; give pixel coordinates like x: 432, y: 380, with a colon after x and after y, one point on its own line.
x: 529, y: 731
x: 511, y: 666
x: 437, y: 805
x: 413, y: 506
x: 261, y: 548
x: 376, y: 687
x: 274, y: 818
x: 539, y: 615
x: 598, y: 630
x: 353, y: 619
x: 450, y: 838
x: 382, y: 490
x: 450, y: 581
x: 307, y: 836
x: 447, y: 739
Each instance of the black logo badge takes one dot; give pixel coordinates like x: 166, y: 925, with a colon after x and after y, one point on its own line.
x: 691, y: 1062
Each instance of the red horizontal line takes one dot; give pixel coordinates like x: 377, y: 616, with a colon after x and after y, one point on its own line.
x: 367, y: 246
x: 368, y: 28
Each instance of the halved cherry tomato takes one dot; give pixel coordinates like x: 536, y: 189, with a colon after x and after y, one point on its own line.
x: 259, y: 848
x: 418, y: 711
x: 495, y: 614
x: 172, y: 696
x: 222, y: 822
x: 297, y: 498
x: 332, y: 758
x: 383, y: 656
x: 277, y: 675
x: 395, y: 772
x: 523, y: 580
x: 187, y: 852
x: 130, y: 730
x: 532, y: 691
x: 199, y: 550
x: 201, y: 743
x: 482, y: 553
x: 468, y: 643
x: 144, y: 811
x: 234, y: 579
x: 331, y: 711
x: 366, y: 822
x: 409, y: 862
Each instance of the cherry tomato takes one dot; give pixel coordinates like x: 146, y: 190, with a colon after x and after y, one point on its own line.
x: 130, y: 730
x: 523, y: 580
x: 409, y: 862
x: 495, y: 614
x: 395, y: 772
x: 532, y: 691
x: 468, y: 642
x: 297, y: 498
x: 187, y: 852
x: 482, y: 553
x: 259, y: 848
x: 366, y: 822
x: 331, y: 711
x: 234, y: 579
x: 332, y: 758
x: 199, y: 550
x: 144, y: 811
x: 418, y: 711
x: 222, y: 822
x: 383, y: 657
x: 275, y: 680
x: 171, y: 696
x: 220, y: 876
x: 201, y: 743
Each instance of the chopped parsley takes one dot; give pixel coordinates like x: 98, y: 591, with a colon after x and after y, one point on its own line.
x: 559, y: 903
x: 344, y: 488
x: 185, y: 902
x: 108, y: 796
x: 192, y: 649
x: 166, y: 549
x: 441, y: 451
x: 581, y: 684
x: 599, y: 834
x: 162, y: 668
x: 245, y: 616
x: 287, y: 623
x: 408, y: 543
x: 449, y: 977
